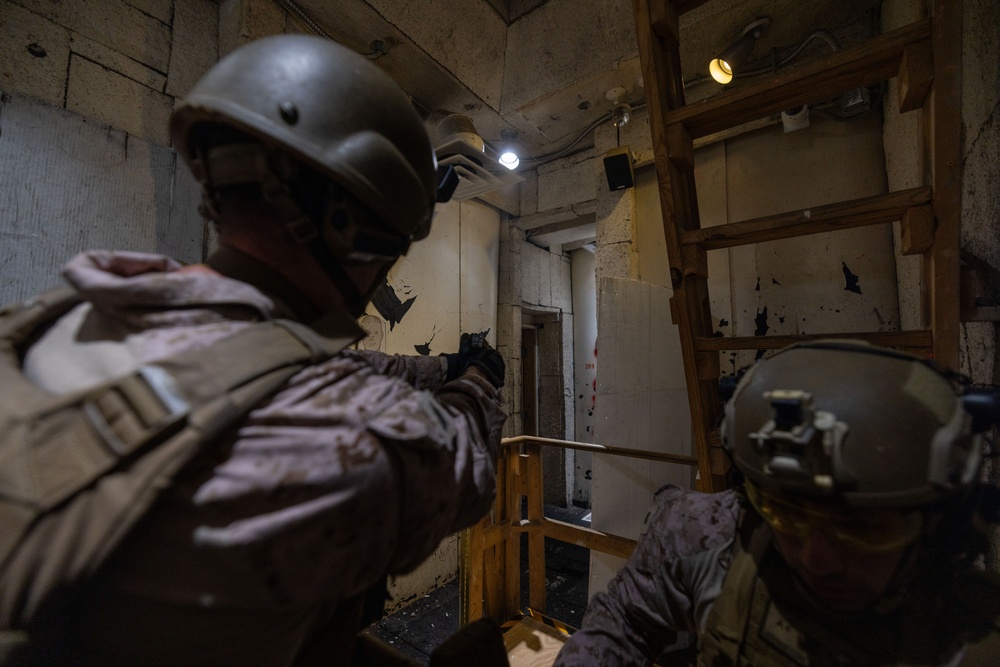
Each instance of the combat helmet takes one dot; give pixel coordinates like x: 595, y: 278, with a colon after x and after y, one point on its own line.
x: 309, y: 101
x: 869, y: 426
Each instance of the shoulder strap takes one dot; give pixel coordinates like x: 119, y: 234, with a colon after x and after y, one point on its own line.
x: 112, y: 448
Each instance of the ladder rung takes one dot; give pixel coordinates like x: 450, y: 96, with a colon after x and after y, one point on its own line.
x: 910, y: 340
x: 830, y: 76
x: 832, y: 217
x: 683, y: 6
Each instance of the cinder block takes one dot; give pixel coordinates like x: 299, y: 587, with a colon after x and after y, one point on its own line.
x: 113, y: 23
x: 545, y: 282
x: 113, y: 60
x: 109, y: 97
x: 243, y: 21
x: 531, y: 274
x: 529, y: 193
x: 160, y: 9
x: 562, y: 288
x: 614, y: 260
x: 505, y: 330
x: 33, y: 55
x: 195, y: 44
x: 229, y: 26
x: 615, y: 217
x: 574, y: 183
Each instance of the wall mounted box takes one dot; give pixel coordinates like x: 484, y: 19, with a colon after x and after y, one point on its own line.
x: 618, y: 168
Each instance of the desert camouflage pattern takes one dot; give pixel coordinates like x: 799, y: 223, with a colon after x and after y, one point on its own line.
x: 359, y: 467
x: 668, y: 585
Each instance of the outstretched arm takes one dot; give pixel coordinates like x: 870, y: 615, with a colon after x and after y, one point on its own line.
x: 667, y: 586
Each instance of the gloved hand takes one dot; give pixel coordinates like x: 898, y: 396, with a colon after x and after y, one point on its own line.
x: 491, y: 364
x: 473, y: 350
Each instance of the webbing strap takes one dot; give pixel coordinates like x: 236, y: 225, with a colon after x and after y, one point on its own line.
x: 53, y: 447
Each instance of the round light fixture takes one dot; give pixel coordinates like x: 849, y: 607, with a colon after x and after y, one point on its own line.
x: 509, y: 159
x: 738, y: 52
x: 508, y: 156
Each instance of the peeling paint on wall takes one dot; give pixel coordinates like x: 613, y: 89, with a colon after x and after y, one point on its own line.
x: 389, y: 305
x: 851, y: 280
x: 425, y: 348
x: 761, y: 322
x: 374, y: 328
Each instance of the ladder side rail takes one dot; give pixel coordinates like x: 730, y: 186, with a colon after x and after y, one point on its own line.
x: 945, y: 106
x: 657, y: 36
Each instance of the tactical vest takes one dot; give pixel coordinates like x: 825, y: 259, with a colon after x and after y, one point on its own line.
x: 77, y: 471
x: 748, y: 628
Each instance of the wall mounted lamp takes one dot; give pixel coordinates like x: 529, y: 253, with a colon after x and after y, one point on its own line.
x: 508, y: 154
x: 722, y: 68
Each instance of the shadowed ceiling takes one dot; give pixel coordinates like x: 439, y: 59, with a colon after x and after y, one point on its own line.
x: 544, y: 67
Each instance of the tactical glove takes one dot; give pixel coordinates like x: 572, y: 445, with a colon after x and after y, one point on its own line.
x: 473, y: 350
x: 491, y: 364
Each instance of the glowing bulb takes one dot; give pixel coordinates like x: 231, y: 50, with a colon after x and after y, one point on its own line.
x: 509, y: 159
x: 720, y: 71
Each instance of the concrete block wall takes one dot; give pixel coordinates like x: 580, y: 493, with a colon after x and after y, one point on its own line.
x: 533, y: 281
x: 120, y: 62
x: 981, y: 197
x: 904, y: 140
x: 616, y: 254
x: 905, y: 167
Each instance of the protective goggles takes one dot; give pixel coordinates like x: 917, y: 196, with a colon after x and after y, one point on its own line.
x: 854, y: 528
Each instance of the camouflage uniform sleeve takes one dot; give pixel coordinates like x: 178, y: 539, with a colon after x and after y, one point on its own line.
x: 445, y: 446
x: 666, y: 587
x: 423, y: 372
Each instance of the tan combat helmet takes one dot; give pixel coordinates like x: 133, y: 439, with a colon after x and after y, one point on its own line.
x: 305, y: 100
x: 869, y: 426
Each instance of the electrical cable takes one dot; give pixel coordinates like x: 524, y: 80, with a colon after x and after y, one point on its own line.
x: 377, y: 46
x: 565, y: 150
x: 830, y: 40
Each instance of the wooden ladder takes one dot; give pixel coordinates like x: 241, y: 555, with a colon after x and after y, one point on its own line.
x: 926, y: 57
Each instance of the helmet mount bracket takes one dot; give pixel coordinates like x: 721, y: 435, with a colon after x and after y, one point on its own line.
x: 802, y: 445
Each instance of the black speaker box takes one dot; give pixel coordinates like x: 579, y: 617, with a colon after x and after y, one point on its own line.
x: 618, y: 168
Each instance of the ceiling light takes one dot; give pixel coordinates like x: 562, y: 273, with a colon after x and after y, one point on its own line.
x: 509, y: 159
x: 725, y: 67
x: 508, y: 154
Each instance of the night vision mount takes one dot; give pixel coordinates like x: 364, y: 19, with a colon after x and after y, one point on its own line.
x: 803, y: 445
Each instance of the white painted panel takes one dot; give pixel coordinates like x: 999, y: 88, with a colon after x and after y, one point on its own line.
x: 480, y: 258
x: 69, y: 184
x: 585, y: 366
x: 428, y: 278
x: 710, y: 179
x: 439, y: 568
x: 650, y: 244
x: 641, y: 403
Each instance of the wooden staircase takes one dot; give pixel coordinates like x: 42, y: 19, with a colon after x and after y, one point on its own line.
x: 926, y: 58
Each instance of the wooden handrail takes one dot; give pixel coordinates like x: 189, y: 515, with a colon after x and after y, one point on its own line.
x: 602, y: 449
x: 490, y: 581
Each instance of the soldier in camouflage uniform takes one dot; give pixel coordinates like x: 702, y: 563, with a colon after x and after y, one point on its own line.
x: 852, y: 539
x: 319, y: 174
